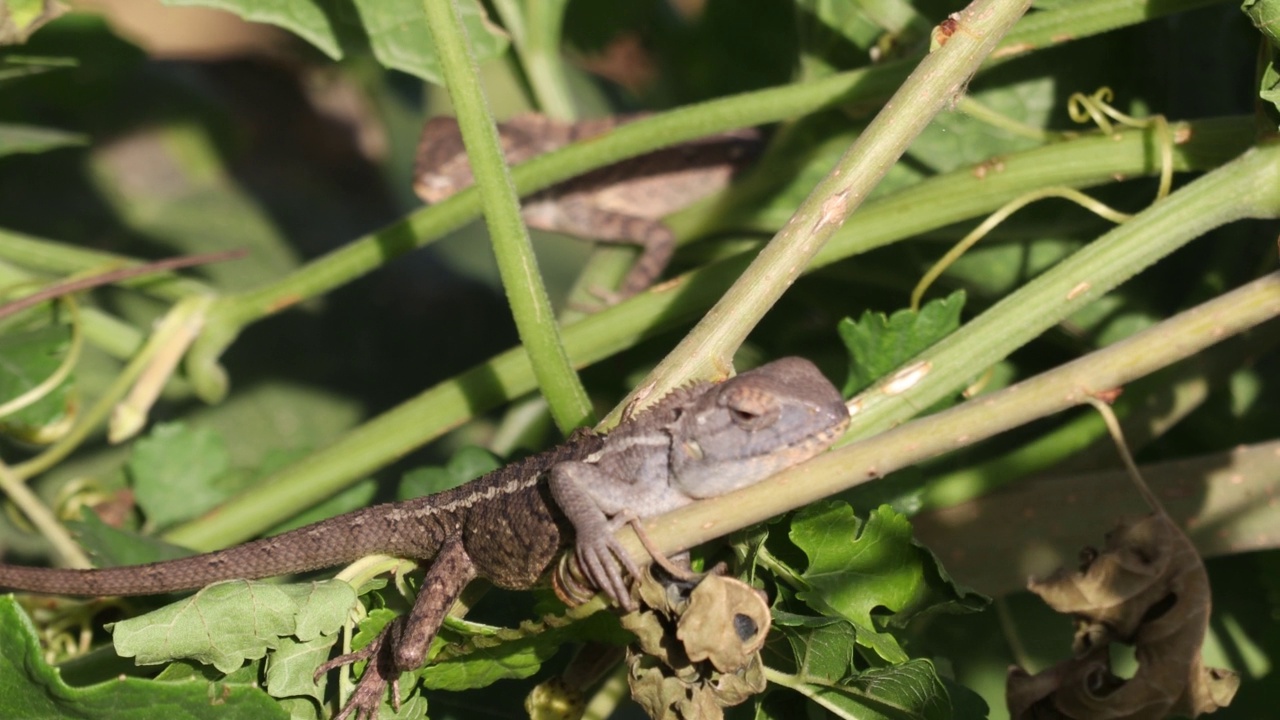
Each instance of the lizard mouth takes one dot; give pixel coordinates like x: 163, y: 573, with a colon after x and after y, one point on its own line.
x: 814, y: 443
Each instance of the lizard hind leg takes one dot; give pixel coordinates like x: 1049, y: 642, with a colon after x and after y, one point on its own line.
x: 403, y: 644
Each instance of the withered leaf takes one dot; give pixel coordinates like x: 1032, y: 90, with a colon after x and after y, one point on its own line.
x: 1147, y: 588
x: 726, y: 622
x: 697, y: 647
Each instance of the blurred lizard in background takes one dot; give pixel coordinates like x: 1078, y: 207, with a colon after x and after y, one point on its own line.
x: 621, y: 203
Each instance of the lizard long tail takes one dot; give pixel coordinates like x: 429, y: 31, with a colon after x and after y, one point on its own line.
x: 332, y: 542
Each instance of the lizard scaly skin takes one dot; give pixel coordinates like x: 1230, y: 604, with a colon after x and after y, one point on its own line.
x: 509, y: 526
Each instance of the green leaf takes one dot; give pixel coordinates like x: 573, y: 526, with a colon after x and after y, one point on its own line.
x: 309, y: 19
x: 824, y: 651
x: 823, y: 647
x: 858, y: 568
x: 113, y: 547
x: 34, y: 139
x: 174, y: 470
x: 831, y: 30
x: 31, y: 689
x: 396, y: 30
x: 1269, y: 84
x: 292, y: 666
x: 466, y: 465
x: 1265, y: 15
x: 878, y: 344
x: 486, y: 665
x: 966, y: 704
x: 28, y: 358
x: 910, y: 691
x: 228, y: 623
x: 479, y: 655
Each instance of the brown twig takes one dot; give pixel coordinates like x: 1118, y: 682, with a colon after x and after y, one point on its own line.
x: 77, y: 284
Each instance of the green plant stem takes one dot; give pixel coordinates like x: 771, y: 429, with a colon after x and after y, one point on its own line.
x: 535, y: 26
x: 517, y: 265
x: 106, y: 332
x: 1044, y: 29
x: 1149, y: 407
x: 42, y: 518
x: 862, y: 88
x: 54, y: 257
x: 1248, y: 187
x: 1050, y: 392
x: 937, y: 202
x: 1005, y: 536
x: 708, y: 349
x: 810, y: 688
x: 115, y: 276
x: 234, y: 312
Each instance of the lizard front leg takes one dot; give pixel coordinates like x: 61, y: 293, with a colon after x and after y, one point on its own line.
x: 597, y: 504
x: 403, y: 644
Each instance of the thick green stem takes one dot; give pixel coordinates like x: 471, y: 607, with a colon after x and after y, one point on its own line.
x: 517, y: 265
x: 1054, y: 391
x: 708, y: 349
x: 1246, y: 187
x: 1149, y: 407
x: 864, y: 88
x: 934, y: 203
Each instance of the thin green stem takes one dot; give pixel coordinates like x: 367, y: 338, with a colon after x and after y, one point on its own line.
x: 517, y: 265
x: 534, y: 26
x: 54, y: 257
x: 1149, y: 407
x: 106, y: 332
x: 108, y: 277
x: 780, y: 570
x: 42, y: 518
x: 1246, y: 187
x: 708, y: 349
x: 1044, y: 29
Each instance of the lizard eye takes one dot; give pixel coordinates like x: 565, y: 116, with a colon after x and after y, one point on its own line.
x: 750, y: 411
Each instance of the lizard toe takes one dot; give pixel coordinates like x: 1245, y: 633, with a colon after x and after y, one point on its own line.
x: 343, y: 660
x: 366, y: 700
x: 603, y: 564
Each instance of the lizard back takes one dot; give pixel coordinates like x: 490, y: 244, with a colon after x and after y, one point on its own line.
x: 510, y: 525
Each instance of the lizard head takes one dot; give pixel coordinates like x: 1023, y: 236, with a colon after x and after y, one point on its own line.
x: 754, y: 425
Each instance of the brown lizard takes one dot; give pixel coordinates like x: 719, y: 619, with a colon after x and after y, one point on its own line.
x: 624, y: 202
x: 508, y: 526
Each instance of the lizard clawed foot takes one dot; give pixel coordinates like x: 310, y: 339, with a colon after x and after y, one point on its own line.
x: 367, y: 698
x: 602, y: 561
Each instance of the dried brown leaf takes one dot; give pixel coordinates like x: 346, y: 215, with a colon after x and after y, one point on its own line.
x: 726, y: 623
x: 1147, y: 588
x: 697, y: 647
